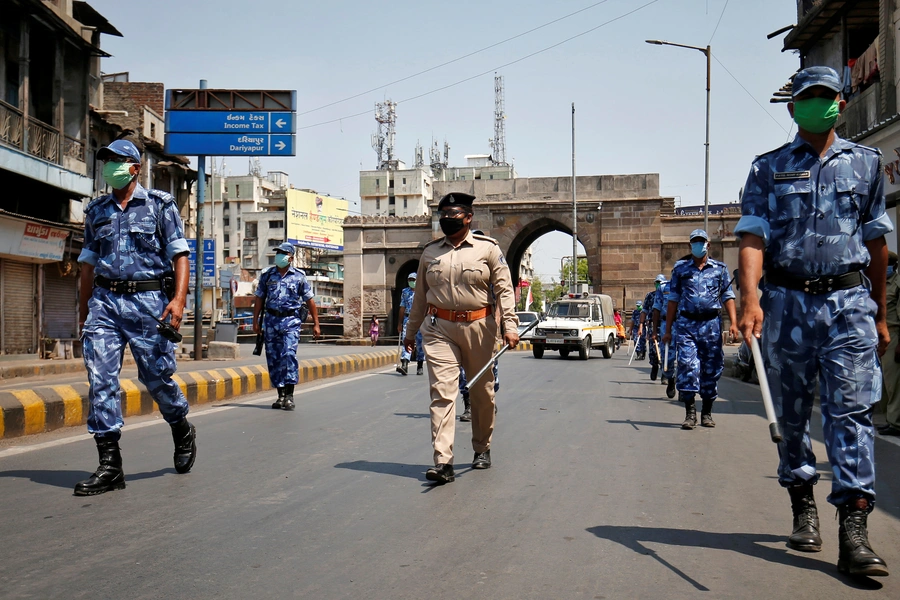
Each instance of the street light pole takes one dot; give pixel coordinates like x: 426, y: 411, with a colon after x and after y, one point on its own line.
x: 708, y: 52
x: 574, y: 212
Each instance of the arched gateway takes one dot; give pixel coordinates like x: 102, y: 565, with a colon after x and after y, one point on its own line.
x: 629, y: 232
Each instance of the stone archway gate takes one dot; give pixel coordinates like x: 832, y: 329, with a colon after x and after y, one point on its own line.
x: 629, y: 233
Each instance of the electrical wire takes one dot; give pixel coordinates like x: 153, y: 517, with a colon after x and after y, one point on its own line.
x: 482, y: 74
x: 751, y: 95
x: 717, y: 22
x: 450, y: 62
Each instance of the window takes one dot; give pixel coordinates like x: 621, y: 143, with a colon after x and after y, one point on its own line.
x: 226, y: 222
x: 276, y: 224
x: 226, y: 238
x: 404, y: 181
x: 492, y: 176
x: 226, y: 253
x: 404, y: 203
x: 237, y: 191
x: 273, y: 243
x: 392, y: 200
x: 462, y: 177
x: 377, y: 203
x: 377, y: 182
x: 272, y: 260
x: 153, y: 130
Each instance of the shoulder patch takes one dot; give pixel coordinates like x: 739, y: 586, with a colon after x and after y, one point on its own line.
x: 164, y: 197
x: 765, y: 154
x: 485, y: 238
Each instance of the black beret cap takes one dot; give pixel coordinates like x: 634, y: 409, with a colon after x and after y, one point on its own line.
x: 456, y: 199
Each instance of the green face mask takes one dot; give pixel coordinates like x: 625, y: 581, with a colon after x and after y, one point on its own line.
x: 412, y: 283
x: 117, y: 174
x: 816, y: 115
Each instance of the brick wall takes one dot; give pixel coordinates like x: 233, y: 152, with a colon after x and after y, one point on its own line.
x: 132, y: 97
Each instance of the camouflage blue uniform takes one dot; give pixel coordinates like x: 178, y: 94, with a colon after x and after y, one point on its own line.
x: 660, y: 303
x: 647, y: 311
x: 134, y: 244
x: 814, y: 216
x: 285, y: 310
x: 700, y: 294
x: 406, y: 301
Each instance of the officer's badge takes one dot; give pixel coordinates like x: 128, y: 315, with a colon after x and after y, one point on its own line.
x: 502, y: 260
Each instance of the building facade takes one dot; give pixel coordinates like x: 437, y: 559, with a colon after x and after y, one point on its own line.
x: 49, y: 80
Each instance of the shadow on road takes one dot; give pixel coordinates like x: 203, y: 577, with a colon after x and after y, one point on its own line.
x: 645, y: 424
x: 386, y: 468
x: 750, y: 544
x: 68, y: 479
x: 413, y: 415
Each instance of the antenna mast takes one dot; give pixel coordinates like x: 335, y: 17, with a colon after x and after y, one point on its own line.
x: 498, y: 142
x: 383, y: 141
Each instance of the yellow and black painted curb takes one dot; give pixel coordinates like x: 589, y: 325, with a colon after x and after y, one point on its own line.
x: 45, y: 408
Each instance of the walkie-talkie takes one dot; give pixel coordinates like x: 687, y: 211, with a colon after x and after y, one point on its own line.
x: 167, y: 331
x: 257, y: 351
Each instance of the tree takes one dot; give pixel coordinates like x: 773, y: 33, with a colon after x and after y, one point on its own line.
x: 566, y: 272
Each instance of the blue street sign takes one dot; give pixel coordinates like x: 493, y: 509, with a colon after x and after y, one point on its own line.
x: 230, y: 144
x: 229, y: 121
x: 209, y: 262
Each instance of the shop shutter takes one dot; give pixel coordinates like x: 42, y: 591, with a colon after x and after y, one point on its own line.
x: 17, y: 301
x: 60, y: 304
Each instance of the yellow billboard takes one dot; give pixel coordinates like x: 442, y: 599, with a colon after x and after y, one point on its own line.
x: 315, y: 220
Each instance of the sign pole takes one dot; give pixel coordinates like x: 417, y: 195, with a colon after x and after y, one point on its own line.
x: 198, y: 271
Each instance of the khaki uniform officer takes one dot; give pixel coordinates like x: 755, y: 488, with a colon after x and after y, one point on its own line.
x: 453, y: 308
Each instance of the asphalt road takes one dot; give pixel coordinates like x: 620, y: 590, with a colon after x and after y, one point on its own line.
x: 595, y: 493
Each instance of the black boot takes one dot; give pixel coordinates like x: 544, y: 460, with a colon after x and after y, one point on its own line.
x: 856, y: 556
x: 440, y: 473
x: 670, y: 388
x: 690, y: 415
x: 654, y: 370
x: 420, y: 368
x: 467, y: 412
x: 404, y: 367
x: 185, y: 436
x: 288, y: 403
x: 109, y: 475
x: 805, y: 536
x: 706, y: 419
x: 280, y: 402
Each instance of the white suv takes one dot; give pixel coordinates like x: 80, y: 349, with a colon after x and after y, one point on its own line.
x: 577, y: 323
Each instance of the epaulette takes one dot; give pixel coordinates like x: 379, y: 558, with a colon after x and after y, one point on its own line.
x: 94, y: 202
x: 485, y: 238
x: 164, y: 197
x: 778, y: 149
x: 875, y: 151
x: 437, y: 241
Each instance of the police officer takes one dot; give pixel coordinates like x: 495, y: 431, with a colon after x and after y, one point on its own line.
x: 813, y: 215
x: 287, y: 298
x: 697, y: 292
x: 406, y: 302
x: 453, y: 307
x: 134, y: 267
x: 650, y: 329
x: 657, y: 330
x: 637, y: 332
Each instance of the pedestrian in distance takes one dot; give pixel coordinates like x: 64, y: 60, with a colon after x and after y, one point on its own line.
x: 813, y: 217
x: 373, y: 330
x: 406, y: 303
x: 284, y: 299
x: 637, y: 332
x: 657, y: 331
x: 649, y: 331
x: 698, y: 291
x: 453, y: 309
x: 134, y: 269
x: 891, y: 363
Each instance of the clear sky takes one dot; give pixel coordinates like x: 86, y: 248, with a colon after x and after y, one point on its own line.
x: 640, y: 108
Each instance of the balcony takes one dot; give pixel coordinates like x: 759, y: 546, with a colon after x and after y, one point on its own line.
x: 43, y: 139
x: 861, y: 113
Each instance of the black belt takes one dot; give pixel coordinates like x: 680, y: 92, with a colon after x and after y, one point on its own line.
x: 127, y: 287
x: 282, y: 313
x: 814, y: 285
x: 708, y: 315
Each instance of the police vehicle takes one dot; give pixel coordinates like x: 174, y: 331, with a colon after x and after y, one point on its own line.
x: 577, y: 323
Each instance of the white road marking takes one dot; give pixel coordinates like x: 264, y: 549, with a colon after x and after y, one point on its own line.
x: 16, y: 450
